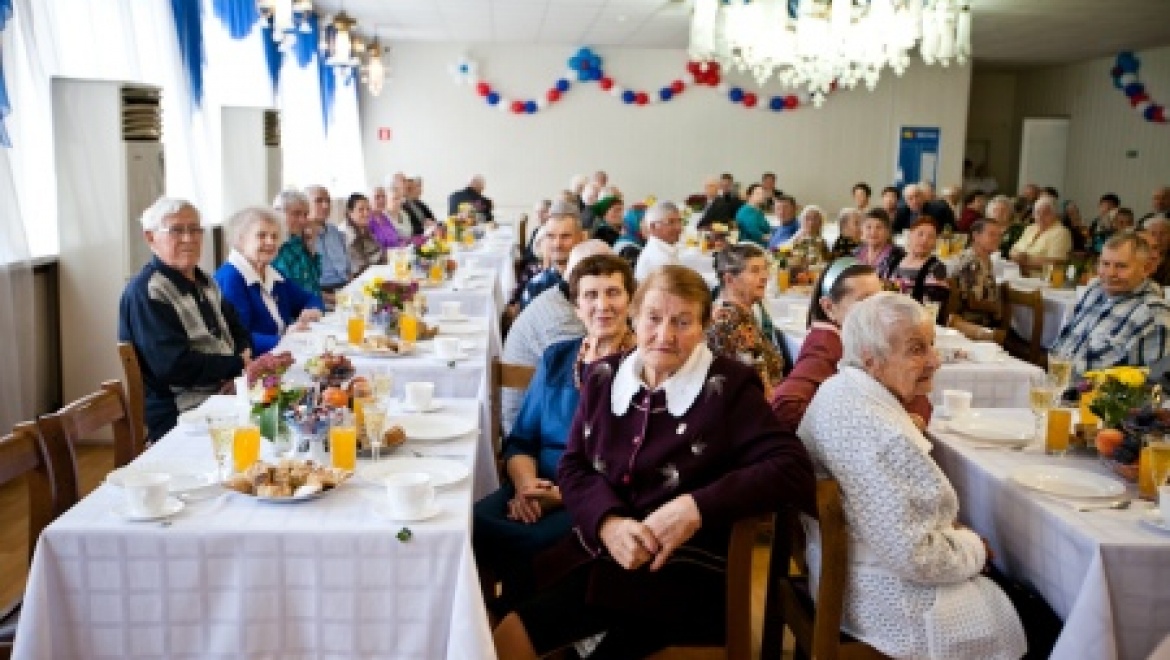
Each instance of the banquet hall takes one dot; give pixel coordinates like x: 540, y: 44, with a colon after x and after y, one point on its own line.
x: 336, y: 241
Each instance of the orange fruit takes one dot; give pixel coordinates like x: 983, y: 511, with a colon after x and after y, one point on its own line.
x: 335, y: 397
x: 360, y: 387
x: 1109, y: 440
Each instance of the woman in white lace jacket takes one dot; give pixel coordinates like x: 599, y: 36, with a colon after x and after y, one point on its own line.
x: 914, y: 587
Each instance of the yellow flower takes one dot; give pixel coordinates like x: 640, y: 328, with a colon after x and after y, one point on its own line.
x: 378, y: 281
x: 1128, y: 376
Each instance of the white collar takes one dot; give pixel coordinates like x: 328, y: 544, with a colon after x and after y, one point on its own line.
x: 271, y: 275
x: 681, y: 389
x: 870, y: 387
x: 662, y: 246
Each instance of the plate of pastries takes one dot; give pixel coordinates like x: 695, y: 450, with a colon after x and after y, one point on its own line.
x: 289, y: 480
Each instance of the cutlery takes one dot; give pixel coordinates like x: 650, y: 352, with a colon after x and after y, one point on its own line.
x: 1118, y: 506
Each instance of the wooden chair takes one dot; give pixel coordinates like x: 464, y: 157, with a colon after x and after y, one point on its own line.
x: 954, y: 302
x: 1027, y: 349
x: 50, y: 475
x: 105, y: 407
x: 816, y: 628
x: 510, y: 376
x: 737, y: 645
x: 976, y: 332
x: 135, y: 398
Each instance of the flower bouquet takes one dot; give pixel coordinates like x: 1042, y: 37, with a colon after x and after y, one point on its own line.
x: 1124, y: 400
x: 270, y: 393
x: 390, y: 298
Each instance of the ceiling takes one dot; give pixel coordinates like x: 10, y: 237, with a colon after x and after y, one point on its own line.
x: 1009, y: 33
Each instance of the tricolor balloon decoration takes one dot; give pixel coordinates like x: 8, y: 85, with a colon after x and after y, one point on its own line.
x: 585, y: 66
x: 1125, y: 78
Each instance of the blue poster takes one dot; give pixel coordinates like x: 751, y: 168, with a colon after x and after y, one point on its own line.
x: 917, y: 155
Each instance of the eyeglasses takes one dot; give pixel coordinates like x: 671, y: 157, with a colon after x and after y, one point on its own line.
x: 189, y: 231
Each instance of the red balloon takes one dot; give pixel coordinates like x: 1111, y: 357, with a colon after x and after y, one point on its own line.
x: 791, y: 102
x: 1160, y: 114
x: 606, y: 83
x: 517, y: 106
x: 1138, y: 98
x: 693, y: 67
x: 641, y: 98
x: 554, y: 95
x: 749, y: 99
x: 677, y: 87
x: 483, y: 89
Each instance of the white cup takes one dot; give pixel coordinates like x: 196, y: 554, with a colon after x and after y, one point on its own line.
x: 452, y: 309
x: 146, y: 492
x: 447, y: 348
x: 957, y: 403
x: 418, y: 395
x: 409, y: 494
x: 1164, y: 503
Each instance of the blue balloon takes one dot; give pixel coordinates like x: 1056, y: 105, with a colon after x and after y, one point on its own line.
x: 736, y: 94
x: 463, y: 68
x: 562, y: 85
x: 1133, y: 89
x: 1151, y: 112
x: 629, y: 96
x: 530, y: 107
x: 777, y: 103
x: 575, y: 63
x: 584, y: 53
x: 665, y: 93
x: 1127, y: 62
x: 493, y: 98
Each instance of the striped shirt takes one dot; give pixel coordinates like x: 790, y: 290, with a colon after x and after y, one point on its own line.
x: 1109, y: 331
x: 334, y: 251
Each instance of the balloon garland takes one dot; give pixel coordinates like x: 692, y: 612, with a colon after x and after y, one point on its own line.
x: 1125, y: 78
x: 585, y: 66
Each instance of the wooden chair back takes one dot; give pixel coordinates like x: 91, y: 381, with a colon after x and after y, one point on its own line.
x: 510, y: 376
x: 135, y: 397
x: 1028, y: 349
x: 954, y: 302
x: 976, y: 332
x: 78, y: 420
x: 816, y: 628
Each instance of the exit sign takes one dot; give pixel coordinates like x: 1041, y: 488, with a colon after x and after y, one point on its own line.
x: 384, y: 134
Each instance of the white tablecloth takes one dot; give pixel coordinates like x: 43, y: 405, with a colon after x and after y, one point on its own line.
x: 1058, y: 307
x: 1106, y: 574
x: 233, y: 578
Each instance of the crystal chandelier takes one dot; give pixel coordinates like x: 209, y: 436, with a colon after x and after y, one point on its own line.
x: 288, y: 17
x: 818, y: 44
x: 374, y: 70
x: 339, y: 45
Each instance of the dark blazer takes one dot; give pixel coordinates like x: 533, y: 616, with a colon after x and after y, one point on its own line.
x: 419, y: 213
x: 722, y: 209
x: 942, y: 213
x: 471, y: 196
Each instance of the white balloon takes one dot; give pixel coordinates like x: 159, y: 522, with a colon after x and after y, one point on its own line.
x: 541, y: 104
x: 504, y: 105
x: 617, y: 91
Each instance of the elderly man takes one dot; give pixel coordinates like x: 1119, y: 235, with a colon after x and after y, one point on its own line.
x: 1161, y: 203
x: 188, y: 338
x: 561, y: 232
x: 720, y: 207
x: 297, y: 258
x: 662, y: 225
x: 1122, y: 318
x: 787, y: 225
x: 978, y: 291
x: 420, y: 214
x: 1045, y: 241
x: 1156, y: 232
x: 473, y: 195
x: 331, y: 244
x: 913, y: 205
x: 550, y: 318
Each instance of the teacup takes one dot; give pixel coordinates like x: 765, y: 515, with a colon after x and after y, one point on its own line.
x: 409, y: 494
x: 418, y: 394
x: 452, y: 309
x: 146, y: 492
x: 957, y: 403
x: 447, y: 348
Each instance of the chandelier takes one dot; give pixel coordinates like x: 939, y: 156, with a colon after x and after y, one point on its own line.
x: 339, y: 44
x: 288, y: 17
x: 374, y: 70
x: 819, y: 44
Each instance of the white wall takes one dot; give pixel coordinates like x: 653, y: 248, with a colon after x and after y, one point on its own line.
x: 446, y: 133
x: 1104, y: 128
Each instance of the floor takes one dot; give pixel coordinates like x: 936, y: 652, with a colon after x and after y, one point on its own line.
x: 94, y: 461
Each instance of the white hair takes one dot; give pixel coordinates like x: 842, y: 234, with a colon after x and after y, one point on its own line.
x: 911, y: 189
x: 997, y: 201
x: 242, y: 220
x: 809, y: 210
x: 874, y: 324
x: 289, y: 197
x: 585, y: 249
x: 541, y: 205
x: 577, y: 181
x: 659, y: 211
x: 590, y: 192
x: 1046, y: 202
x: 163, y: 208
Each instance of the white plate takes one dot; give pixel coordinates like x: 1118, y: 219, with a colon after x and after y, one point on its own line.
x: 1153, y: 518
x: 461, y: 355
x: 458, y: 328
x: 184, y: 477
x: 290, y: 500
x: 383, y: 511
x: 983, y: 428
x: 443, y: 471
x: 434, y: 427
x: 435, y: 405
x: 1068, y: 482
x: 376, y: 352
x: 173, y: 505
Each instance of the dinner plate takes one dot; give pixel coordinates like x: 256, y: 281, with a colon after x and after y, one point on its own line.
x: 185, y: 478
x: 291, y: 500
x: 434, y: 427
x: 435, y: 405
x: 172, y: 506
x: 1068, y: 482
x: 366, y: 351
x: 987, y: 429
x: 458, y: 328
x: 1153, y: 518
x: 443, y: 471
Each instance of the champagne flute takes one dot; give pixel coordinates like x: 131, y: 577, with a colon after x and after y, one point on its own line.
x: 1060, y: 370
x: 382, y: 382
x: 223, y: 433
x: 1041, y: 397
x: 374, y: 416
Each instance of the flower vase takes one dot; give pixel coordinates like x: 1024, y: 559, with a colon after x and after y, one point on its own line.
x: 386, y: 321
x: 273, y: 428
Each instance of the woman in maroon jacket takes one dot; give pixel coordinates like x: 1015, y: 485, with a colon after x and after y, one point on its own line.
x: 670, y: 446
x: 845, y: 282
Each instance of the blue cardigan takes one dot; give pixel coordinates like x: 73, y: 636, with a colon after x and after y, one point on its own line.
x: 248, y: 301
x: 542, y: 427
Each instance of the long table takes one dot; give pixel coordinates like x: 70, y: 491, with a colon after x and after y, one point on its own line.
x: 1105, y: 573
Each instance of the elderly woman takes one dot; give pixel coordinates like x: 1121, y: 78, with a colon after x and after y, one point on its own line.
x: 753, y: 226
x: 609, y: 228
x: 525, y: 515
x: 975, y: 274
x: 848, y: 233
x: 735, y: 332
x: 268, y: 304
x: 810, y: 237
x: 920, y: 274
x: 383, y: 229
x: 914, y: 588
x: 653, y: 479
x: 1045, y: 241
x: 363, y: 248
x: 877, y: 250
x: 298, y: 259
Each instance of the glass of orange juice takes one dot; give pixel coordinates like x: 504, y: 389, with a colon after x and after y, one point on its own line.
x: 783, y: 279
x: 245, y: 447
x: 436, y: 271
x: 343, y: 440
x: 1058, y: 428
x: 355, y: 326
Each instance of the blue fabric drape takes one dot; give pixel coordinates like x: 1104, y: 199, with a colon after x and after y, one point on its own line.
x: 325, y: 73
x: 307, y: 42
x: 238, y: 16
x: 272, y: 56
x: 5, y: 106
x: 188, y: 16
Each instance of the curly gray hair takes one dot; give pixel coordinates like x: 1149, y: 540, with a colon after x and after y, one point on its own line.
x: 874, y: 324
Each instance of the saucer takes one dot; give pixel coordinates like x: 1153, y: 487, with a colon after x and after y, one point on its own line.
x: 1153, y: 518
x: 172, y: 506
x: 435, y: 405
x: 383, y: 511
x: 461, y: 355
